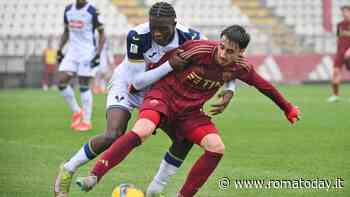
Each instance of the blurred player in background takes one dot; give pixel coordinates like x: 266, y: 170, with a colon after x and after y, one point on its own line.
x: 175, y: 104
x: 81, y: 20
x: 146, y: 44
x: 342, y: 56
x: 49, y: 62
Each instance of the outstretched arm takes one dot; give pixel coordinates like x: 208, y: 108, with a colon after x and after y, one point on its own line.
x: 265, y: 87
x: 143, y: 78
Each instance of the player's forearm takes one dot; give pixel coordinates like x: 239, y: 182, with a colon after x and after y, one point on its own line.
x: 276, y: 97
x: 269, y: 90
x: 144, y: 79
x: 101, y: 41
x: 64, y: 39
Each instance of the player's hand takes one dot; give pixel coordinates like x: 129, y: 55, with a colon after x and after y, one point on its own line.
x: 243, y: 62
x: 347, y: 54
x: 59, y: 57
x: 225, y: 98
x: 177, y: 62
x: 293, y: 115
x: 132, y: 89
x: 95, y: 61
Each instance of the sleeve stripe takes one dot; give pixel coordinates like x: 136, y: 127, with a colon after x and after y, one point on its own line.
x: 194, y: 49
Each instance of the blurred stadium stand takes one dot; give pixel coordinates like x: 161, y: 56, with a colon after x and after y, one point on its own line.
x: 278, y: 28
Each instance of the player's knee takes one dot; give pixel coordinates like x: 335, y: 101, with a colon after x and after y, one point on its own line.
x: 146, y: 124
x: 213, y: 143
x: 110, y: 137
x: 144, y: 128
x: 116, y: 130
x: 218, y: 147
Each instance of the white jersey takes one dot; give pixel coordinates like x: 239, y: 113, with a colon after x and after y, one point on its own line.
x: 142, y: 51
x: 82, y: 24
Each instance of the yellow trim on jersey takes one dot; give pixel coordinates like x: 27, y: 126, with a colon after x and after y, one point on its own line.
x: 136, y: 61
x: 90, y: 148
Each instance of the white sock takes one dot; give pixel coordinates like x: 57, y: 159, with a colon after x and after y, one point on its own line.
x: 165, y: 172
x: 86, y: 100
x: 69, y: 97
x: 79, y: 159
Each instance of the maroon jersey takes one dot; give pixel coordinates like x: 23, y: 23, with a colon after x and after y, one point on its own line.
x: 188, y: 90
x: 343, y: 34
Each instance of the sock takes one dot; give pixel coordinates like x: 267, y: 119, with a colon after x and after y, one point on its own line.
x: 199, y: 173
x: 168, y: 167
x: 69, y: 97
x: 335, y: 88
x: 86, y: 100
x: 116, y: 153
x: 84, y: 155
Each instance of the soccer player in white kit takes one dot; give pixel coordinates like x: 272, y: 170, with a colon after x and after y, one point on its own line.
x: 81, y: 20
x: 146, y: 44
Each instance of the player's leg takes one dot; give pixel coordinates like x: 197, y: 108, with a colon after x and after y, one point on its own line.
x: 208, y: 138
x: 87, y: 103
x: 69, y: 96
x: 117, y: 152
x: 118, y: 115
x: 117, y: 120
x: 67, y: 69
x: 336, y: 78
x: 169, y: 165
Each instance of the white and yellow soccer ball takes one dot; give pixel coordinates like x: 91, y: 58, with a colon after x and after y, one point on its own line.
x: 127, y: 190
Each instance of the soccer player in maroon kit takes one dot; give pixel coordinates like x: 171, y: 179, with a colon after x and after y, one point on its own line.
x: 342, y: 56
x: 175, y: 104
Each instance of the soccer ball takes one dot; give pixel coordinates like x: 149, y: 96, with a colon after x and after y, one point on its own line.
x: 127, y: 190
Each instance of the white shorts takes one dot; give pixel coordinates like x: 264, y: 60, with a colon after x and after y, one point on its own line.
x: 119, y: 96
x: 80, y: 66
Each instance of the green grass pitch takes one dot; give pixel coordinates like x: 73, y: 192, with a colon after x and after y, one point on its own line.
x: 260, y: 144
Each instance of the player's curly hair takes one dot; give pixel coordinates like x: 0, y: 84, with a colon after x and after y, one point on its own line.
x: 238, y: 34
x: 162, y: 9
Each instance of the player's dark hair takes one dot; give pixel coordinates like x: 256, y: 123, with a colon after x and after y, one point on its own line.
x: 237, y: 34
x: 162, y: 9
x: 345, y: 7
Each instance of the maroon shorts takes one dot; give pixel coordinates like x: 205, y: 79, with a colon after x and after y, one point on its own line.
x: 193, y: 126
x: 339, y: 60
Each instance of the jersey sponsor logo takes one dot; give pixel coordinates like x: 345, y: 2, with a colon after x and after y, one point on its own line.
x: 76, y: 24
x: 200, y: 82
x: 134, y: 48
